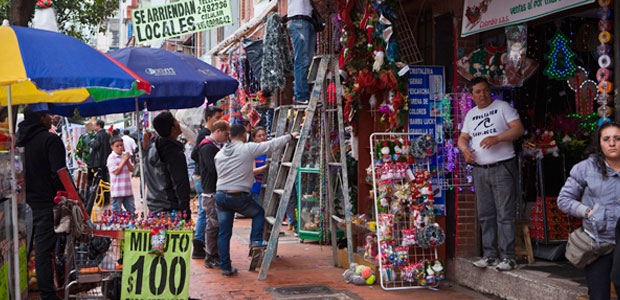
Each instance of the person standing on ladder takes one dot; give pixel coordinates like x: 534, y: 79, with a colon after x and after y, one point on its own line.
x: 303, y: 38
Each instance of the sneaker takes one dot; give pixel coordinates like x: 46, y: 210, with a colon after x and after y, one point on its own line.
x: 301, y: 102
x: 486, y: 262
x: 230, y: 272
x: 259, y: 244
x: 212, y: 264
x: 506, y: 264
x: 199, y: 249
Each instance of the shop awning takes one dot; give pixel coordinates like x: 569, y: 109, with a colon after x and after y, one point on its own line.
x: 479, y: 16
x: 244, y: 30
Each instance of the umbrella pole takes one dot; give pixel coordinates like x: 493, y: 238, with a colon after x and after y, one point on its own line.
x: 15, y: 240
x: 142, y: 183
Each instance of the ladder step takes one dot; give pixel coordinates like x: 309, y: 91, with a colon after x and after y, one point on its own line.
x: 271, y: 220
x: 337, y: 219
x: 279, y: 191
x: 331, y: 109
x: 335, y: 164
x: 287, y: 164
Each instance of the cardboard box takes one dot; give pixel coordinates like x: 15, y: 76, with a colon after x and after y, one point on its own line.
x: 343, y: 260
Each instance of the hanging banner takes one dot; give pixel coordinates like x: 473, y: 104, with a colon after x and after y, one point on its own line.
x: 483, y: 15
x: 179, y: 18
x: 426, y: 88
x: 153, y: 276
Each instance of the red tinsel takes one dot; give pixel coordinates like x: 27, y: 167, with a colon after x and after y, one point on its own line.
x: 367, y: 81
x: 389, y: 79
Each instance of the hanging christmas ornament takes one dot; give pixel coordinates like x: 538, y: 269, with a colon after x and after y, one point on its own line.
x: 603, y: 76
x: 560, y: 57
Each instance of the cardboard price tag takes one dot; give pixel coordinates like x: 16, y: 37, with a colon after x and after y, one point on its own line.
x: 151, y: 276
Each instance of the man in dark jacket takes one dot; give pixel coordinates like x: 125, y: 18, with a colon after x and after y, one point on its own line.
x: 207, y: 149
x: 99, y: 151
x: 212, y: 114
x: 44, y: 156
x: 165, y: 167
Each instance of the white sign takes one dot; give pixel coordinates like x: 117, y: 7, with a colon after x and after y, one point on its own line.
x: 179, y: 18
x: 483, y: 15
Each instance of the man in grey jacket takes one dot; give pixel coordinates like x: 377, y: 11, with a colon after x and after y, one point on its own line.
x: 234, y: 164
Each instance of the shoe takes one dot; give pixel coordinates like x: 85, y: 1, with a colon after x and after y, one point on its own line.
x: 230, y: 272
x: 199, y: 250
x: 212, y: 264
x: 259, y: 244
x: 486, y: 262
x: 506, y: 264
x: 301, y: 102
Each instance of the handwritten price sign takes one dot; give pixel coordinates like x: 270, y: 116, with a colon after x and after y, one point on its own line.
x: 149, y: 276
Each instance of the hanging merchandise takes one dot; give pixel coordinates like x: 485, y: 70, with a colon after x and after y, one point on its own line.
x: 560, y: 57
x: 371, y: 63
x: 585, y: 91
x: 605, y: 86
x: 498, y: 64
x: 516, y: 38
x: 277, y: 57
x: 407, y: 235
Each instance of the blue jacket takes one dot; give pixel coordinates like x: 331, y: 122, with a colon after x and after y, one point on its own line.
x: 587, y: 188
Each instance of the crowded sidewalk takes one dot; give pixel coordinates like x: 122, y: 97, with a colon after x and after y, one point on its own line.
x: 307, y: 266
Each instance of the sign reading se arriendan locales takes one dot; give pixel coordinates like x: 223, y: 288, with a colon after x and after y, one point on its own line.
x: 179, y: 18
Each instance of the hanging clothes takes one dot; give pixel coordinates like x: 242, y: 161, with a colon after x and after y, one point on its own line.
x: 277, y: 56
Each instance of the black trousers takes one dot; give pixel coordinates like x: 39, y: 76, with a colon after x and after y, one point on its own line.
x: 44, y: 245
x: 615, y: 269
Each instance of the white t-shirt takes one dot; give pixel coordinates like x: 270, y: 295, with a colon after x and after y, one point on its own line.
x: 129, y: 144
x: 299, y: 7
x: 490, y: 121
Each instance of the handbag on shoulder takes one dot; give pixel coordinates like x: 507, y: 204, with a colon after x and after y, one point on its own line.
x: 582, y: 249
x: 317, y: 19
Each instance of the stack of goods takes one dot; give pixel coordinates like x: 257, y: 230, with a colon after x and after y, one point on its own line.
x: 559, y: 224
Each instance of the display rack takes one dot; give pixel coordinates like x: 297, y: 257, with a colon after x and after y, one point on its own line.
x: 82, y: 268
x: 407, y: 235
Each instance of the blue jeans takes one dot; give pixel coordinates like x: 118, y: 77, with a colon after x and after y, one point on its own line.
x: 201, y: 220
x: 226, y: 206
x: 127, y: 202
x: 496, y: 201
x: 303, y: 39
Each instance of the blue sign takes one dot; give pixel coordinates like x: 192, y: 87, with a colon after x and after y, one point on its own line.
x: 426, y: 88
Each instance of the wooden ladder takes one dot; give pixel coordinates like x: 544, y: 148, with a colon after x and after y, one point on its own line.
x: 281, y: 184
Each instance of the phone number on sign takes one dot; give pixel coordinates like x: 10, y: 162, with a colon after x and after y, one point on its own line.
x: 210, y: 6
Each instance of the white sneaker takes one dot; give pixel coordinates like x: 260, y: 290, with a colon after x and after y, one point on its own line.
x: 486, y: 262
x: 506, y: 264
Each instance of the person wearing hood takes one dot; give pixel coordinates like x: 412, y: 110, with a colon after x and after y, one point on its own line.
x: 234, y: 165
x: 165, y: 167
x: 42, y: 183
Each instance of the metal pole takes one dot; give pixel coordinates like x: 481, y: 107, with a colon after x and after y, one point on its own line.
x: 616, y: 54
x: 15, y: 238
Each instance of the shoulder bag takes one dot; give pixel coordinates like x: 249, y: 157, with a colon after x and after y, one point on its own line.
x: 582, y: 249
x: 317, y: 19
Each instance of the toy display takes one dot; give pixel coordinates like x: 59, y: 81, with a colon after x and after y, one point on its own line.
x: 359, y: 275
x: 407, y: 235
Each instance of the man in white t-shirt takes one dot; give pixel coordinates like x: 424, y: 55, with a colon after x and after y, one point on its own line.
x: 486, y: 142
x: 129, y: 143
